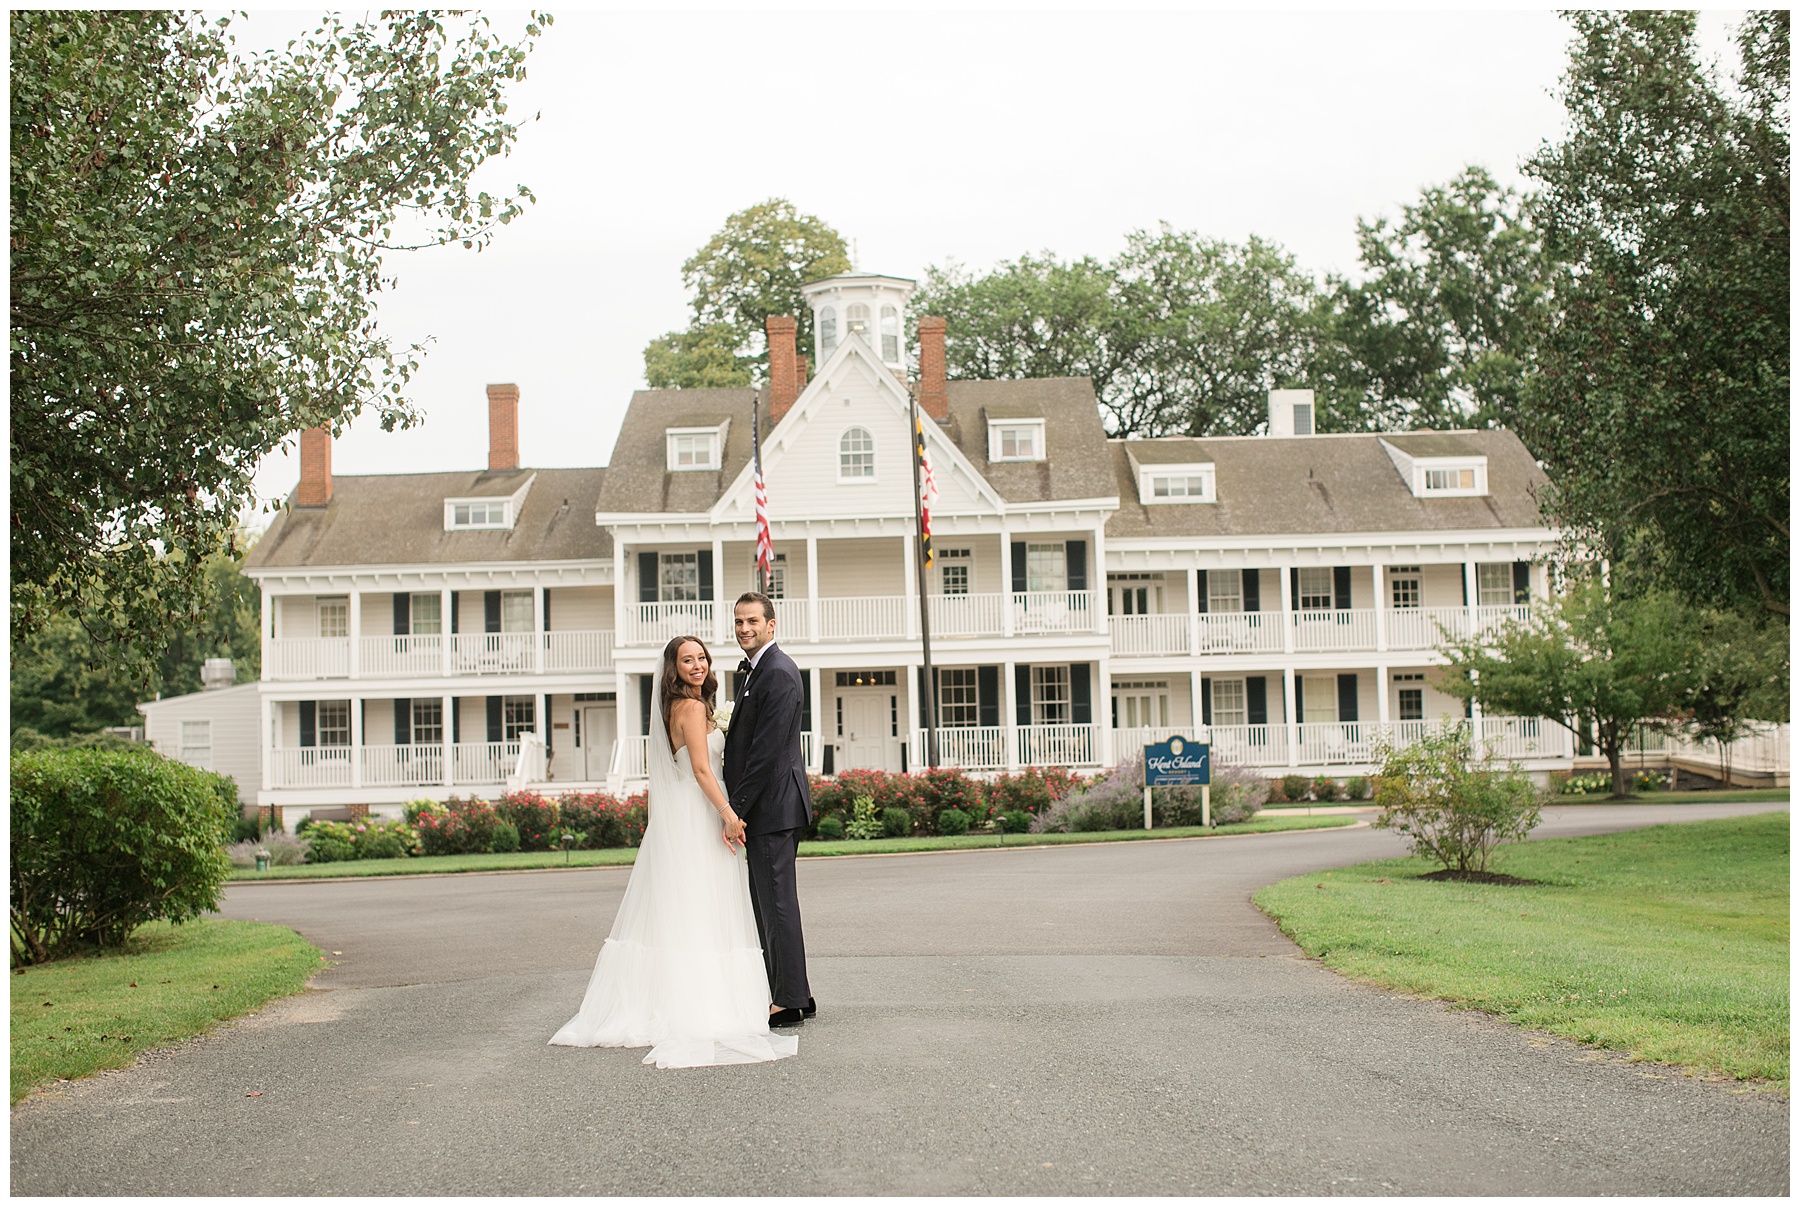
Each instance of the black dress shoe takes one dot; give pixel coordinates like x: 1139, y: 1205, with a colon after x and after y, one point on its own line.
x: 809, y: 1009
x: 787, y: 1016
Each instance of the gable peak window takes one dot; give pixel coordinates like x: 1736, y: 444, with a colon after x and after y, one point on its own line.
x: 856, y: 456
x: 1016, y: 440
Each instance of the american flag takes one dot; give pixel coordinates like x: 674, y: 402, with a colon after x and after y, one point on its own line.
x: 765, y: 544
x: 927, y: 488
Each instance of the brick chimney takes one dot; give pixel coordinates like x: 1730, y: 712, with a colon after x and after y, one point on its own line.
x: 934, y: 392
x: 503, y: 427
x: 315, y: 468
x: 784, y: 369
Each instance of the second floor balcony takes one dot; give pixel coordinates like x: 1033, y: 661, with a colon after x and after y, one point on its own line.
x: 436, y: 655
x: 1309, y: 631
x: 877, y: 617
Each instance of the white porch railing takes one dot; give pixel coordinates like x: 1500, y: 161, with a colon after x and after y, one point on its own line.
x: 1153, y: 635
x: 1768, y: 749
x: 631, y: 757
x: 1424, y: 628
x: 1240, y: 632
x: 1335, y: 742
x: 1492, y: 617
x: 493, y: 653
x: 1249, y: 745
x: 402, y: 656
x: 972, y: 747
x: 1053, y: 611
x: 310, y: 767
x: 485, y: 763
x: 1130, y: 742
x: 403, y: 766
x: 1334, y: 629
x: 1523, y: 738
x: 656, y: 623
x: 1056, y: 745
x: 308, y: 657
x: 862, y: 618
x: 966, y: 615
x: 578, y: 650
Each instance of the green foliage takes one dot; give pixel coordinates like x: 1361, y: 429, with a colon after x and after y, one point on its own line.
x: 896, y: 823
x: 752, y: 268
x: 1450, y: 810
x: 1738, y: 674
x: 864, y: 825
x: 1238, y: 794
x: 533, y: 815
x: 330, y: 842
x: 601, y: 820
x: 464, y: 827
x: 1324, y: 788
x: 197, y: 239
x: 1660, y: 401
x: 1014, y: 821
x: 948, y: 788
x: 1033, y: 789
x: 1296, y: 788
x: 1114, y: 801
x: 506, y: 838
x: 1356, y: 788
x: 415, y: 809
x: 1587, y: 785
x: 950, y: 823
x: 1594, y: 661
x: 104, y: 841
x: 284, y: 850
x: 830, y: 828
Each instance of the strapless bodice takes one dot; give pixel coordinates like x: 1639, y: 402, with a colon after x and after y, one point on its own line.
x: 715, y: 750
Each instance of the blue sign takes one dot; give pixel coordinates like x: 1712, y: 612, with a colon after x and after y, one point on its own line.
x: 1177, y: 761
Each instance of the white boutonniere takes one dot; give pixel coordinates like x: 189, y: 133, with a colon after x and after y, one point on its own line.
x: 721, y: 717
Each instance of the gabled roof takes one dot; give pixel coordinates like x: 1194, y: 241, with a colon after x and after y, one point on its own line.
x: 398, y: 519
x: 639, y: 479
x: 1326, y: 484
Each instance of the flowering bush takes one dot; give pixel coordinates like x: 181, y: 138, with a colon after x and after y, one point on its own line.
x: 465, y: 827
x: 330, y: 842
x: 414, y: 809
x: 602, y: 820
x: 534, y: 815
x: 1032, y: 790
x: 1238, y: 793
x: 949, y: 788
x: 1587, y: 785
x: 368, y: 838
x: 1114, y: 801
x: 284, y: 850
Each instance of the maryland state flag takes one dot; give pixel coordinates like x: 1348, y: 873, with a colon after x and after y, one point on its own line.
x: 927, y: 488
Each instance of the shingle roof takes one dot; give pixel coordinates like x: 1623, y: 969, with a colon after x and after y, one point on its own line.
x: 1327, y: 484
x: 639, y: 480
x: 398, y: 519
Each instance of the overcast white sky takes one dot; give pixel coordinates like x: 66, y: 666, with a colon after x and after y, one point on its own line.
x: 924, y: 137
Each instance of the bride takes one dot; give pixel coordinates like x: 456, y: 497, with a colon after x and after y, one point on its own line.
x: 682, y: 971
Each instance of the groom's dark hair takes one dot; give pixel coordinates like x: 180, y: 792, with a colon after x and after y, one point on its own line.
x: 757, y: 597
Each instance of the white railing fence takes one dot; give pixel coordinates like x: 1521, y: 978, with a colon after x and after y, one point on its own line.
x: 403, y: 766
x: 862, y: 618
x: 311, y: 767
x: 1056, y: 745
x: 1052, y: 611
x: 308, y: 657
x: 1240, y: 632
x: 1166, y: 633
x: 972, y: 747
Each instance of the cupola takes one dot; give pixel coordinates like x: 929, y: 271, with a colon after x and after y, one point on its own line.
x: 862, y: 304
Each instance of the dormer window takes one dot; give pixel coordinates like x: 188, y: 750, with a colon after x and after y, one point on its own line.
x: 856, y: 456
x: 695, y: 448
x: 1437, y: 467
x: 1176, y: 483
x: 1016, y: 440
x: 490, y: 513
x: 1445, y: 478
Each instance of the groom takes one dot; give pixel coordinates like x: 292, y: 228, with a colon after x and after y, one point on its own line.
x: 765, y: 777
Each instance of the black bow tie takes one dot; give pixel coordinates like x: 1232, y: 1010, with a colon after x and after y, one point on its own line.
x: 743, y: 668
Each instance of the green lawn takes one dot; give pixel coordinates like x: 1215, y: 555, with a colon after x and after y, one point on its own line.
x: 74, y: 1017
x: 523, y: 860
x: 1668, y: 943
x: 1716, y: 796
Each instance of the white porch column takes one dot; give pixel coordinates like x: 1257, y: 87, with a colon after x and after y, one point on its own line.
x: 544, y: 728
x: 812, y: 587
x: 268, y: 738
x: 622, y: 590
x: 720, y: 609
x: 818, y: 720
x: 1097, y: 592
x: 1286, y: 575
x: 268, y: 629
x: 1288, y: 716
x: 1200, y: 729
x: 1102, y: 706
x: 355, y: 633
x: 447, y: 640
x: 1381, y: 696
x: 1380, y: 611
x: 1009, y: 701
x: 1006, y: 586
x: 538, y: 633
x: 1471, y: 594
x: 356, y: 738
x: 913, y: 591
x: 1193, y: 627
x: 449, y: 719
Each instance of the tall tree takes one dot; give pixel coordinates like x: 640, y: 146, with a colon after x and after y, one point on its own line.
x: 752, y: 268
x: 1439, y: 329
x: 198, y: 236
x: 1660, y: 397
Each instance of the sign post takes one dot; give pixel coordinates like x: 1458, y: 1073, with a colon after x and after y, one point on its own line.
x: 1179, y: 761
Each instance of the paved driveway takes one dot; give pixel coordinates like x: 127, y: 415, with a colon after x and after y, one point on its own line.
x: 1072, y: 1020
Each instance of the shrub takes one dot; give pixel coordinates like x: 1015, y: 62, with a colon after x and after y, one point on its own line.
x: 1295, y: 788
x: 896, y: 823
x: 1649, y: 781
x: 1325, y: 788
x: 1114, y: 801
x: 602, y: 820
x: 948, y: 788
x: 635, y: 814
x: 1238, y: 793
x: 1356, y: 788
x: 1276, y: 795
x: 865, y: 825
x: 506, y: 838
x: 1451, y: 809
x: 381, y: 844
x: 284, y: 850
x: 303, y: 825
x: 1015, y: 821
x: 415, y: 809
x: 104, y: 840
x: 1588, y: 785
x: 830, y: 828
x: 243, y: 828
x: 1026, y: 792
x: 952, y: 822
x: 533, y: 815
x: 330, y: 842
x: 465, y: 827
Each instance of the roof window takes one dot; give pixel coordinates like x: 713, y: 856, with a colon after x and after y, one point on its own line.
x: 695, y: 448
x: 1016, y: 440
x: 1176, y: 483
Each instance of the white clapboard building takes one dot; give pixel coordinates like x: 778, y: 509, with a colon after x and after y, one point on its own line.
x: 432, y: 634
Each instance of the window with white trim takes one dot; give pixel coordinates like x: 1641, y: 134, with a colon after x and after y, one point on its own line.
x: 1405, y: 587
x: 1439, y: 477
x: 856, y: 318
x: 518, y: 714
x: 1016, y: 440
x: 694, y: 448
x: 890, y: 334
x: 1494, y: 584
x: 856, y: 456
x: 1315, y: 589
x: 959, y: 696
x: 1320, y: 693
x: 427, y: 722
x: 953, y: 571
x: 333, y: 722
x: 483, y: 513
x: 1176, y: 483
x: 777, y: 575
x: 828, y: 333
x: 1050, y: 695
x: 1046, y: 567
x: 1229, y: 704
x: 678, y: 577
x: 334, y: 618
x: 517, y: 614
x: 1140, y: 705
x: 1224, y: 590
x: 1411, y: 699
x: 196, y: 744
x: 425, y: 614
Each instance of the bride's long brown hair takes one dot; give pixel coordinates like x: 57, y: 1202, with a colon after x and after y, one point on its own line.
x: 673, y: 686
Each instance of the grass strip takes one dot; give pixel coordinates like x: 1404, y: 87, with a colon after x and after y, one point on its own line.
x: 612, y: 856
x: 74, y: 1017
x: 1668, y: 943
x: 1714, y: 796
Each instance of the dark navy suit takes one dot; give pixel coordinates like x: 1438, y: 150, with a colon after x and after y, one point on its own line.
x: 765, y: 779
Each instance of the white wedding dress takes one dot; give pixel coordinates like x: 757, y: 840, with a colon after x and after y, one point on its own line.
x: 682, y: 970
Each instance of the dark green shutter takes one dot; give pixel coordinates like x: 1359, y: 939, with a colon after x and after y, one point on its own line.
x: 403, y: 722
x: 1294, y: 586
x: 1081, y: 698
x: 1256, y: 700
x: 402, y: 613
x: 1521, y: 582
x: 1200, y: 591
x: 546, y: 609
x: 987, y: 693
x: 1252, y: 590
x: 1462, y: 574
x: 309, y: 723
x: 1018, y: 565
x: 1206, y: 702
x: 455, y: 719
x: 647, y: 584
x: 490, y: 614
x: 1347, y: 697
x: 1300, y: 698
x: 1022, y: 690
x: 1075, y: 552
x: 453, y: 599
x: 496, y: 720
x: 706, y: 578
x: 1340, y: 587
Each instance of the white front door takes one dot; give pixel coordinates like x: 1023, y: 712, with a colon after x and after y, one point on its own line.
x: 598, y: 729
x: 865, y: 730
